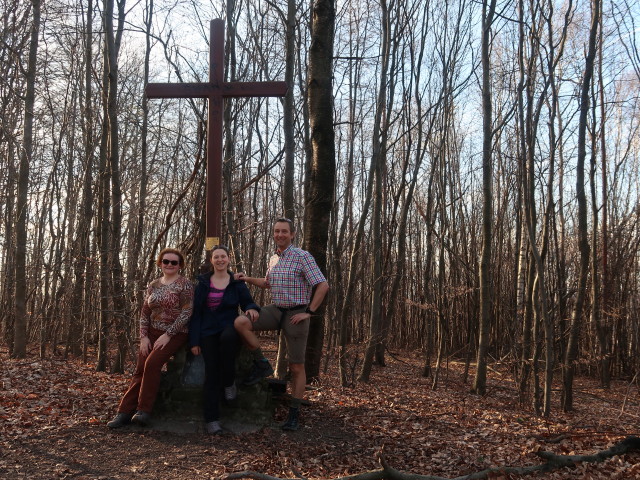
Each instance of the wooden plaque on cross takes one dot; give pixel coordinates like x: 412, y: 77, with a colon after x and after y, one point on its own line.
x: 216, y: 90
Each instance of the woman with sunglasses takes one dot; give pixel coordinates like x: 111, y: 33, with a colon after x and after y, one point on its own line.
x: 217, y: 298
x: 163, y: 330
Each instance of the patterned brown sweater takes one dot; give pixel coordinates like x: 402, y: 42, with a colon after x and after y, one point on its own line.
x: 167, y: 307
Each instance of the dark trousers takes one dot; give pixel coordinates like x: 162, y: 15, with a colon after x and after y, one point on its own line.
x: 219, y: 354
x: 145, y: 383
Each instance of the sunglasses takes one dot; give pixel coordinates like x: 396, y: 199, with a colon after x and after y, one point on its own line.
x: 172, y: 262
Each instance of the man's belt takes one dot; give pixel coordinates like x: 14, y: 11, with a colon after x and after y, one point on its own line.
x: 288, y: 309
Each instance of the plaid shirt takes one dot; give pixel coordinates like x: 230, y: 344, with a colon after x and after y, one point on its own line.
x: 291, y: 276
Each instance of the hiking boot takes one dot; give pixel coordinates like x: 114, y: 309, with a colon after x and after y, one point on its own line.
x: 291, y: 424
x: 230, y: 392
x: 120, y: 420
x: 261, y: 369
x: 141, y: 418
x: 214, y: 428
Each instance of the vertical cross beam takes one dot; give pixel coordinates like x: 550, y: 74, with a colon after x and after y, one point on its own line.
x: 216, y: 90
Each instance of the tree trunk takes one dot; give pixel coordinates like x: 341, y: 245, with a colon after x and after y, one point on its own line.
x: 229, y: 140
x: 342, y: 242
x: 602, y: 331
x: 135, y: 283
x: 20, y: 337
x: 112, y: 44
x: 8, y: 287
x: 81, y: 246
x: 104, y: 207
x: 288, y: 120
x: 375, y: 318
x: 321, y: 169
x: 377, y: 161
x: 480, y: 381
x: 568, y: 368
x: 288, y: 196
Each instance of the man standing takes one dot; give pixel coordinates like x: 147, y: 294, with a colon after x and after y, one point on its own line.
x: 292, y: 275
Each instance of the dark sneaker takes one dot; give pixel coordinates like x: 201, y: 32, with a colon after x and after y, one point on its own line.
x: 214, y: 428
x: 261, y: 369
x: 141, y: 418
x: 291, y: 424
x: 120, y: 420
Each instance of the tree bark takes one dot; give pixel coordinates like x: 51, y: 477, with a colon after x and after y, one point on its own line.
x: 20, y: 337
x: 321, y: 169
x: 289, y: 105
x: 135, y: 283
x: 112, y: 43
x: 377, y: 161
x: 568, y: 368
x: 480, y: 381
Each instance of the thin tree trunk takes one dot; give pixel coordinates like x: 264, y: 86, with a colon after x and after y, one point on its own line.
x: 288, y: 117
x: 229, y: 140
x: 84, y: 265
x: 104, y: 207
x: 8, y: 290
x: 342, y: 320
x: 112, y: 39
x: 288, y: 197
x: 480, y: 381
x: 568, y: 368
x: 20, y: 323
x: 603, y: 332
x: 377, y: 160
x: 135, y: 283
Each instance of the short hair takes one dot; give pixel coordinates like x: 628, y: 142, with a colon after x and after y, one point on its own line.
x: 175, y: 251
x: 286, y: 220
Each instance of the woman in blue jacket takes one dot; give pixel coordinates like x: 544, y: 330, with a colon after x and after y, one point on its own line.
x: 216, y: 300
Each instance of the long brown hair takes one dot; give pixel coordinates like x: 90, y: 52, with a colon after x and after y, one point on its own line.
x: 207, y: 266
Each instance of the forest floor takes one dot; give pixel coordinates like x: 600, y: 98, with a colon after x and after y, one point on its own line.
x: 53, y: 414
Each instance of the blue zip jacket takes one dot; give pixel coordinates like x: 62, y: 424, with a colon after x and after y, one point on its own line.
x: 204, y: 321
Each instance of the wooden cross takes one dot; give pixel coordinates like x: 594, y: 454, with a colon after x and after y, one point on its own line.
x: 215, y: 90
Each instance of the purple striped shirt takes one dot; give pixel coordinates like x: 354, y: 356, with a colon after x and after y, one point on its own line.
x: 214, y: 298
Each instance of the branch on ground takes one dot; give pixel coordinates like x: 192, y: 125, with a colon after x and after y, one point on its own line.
x: 553, y: 462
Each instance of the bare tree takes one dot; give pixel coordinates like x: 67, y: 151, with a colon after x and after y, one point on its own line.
x: 377, y: 166
x: 320, y: 171
x: 480, y: 382
x: 20, y: 323
x: 568, y: 368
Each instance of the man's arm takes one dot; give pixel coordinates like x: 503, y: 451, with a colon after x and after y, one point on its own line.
x: 257, y: 281
x: 319, y: 293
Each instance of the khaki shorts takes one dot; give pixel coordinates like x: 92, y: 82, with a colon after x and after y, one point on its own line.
x: 295, y: 335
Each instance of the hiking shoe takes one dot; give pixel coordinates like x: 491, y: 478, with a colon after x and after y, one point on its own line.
x: 141, y: 418
x: 214, y: 428
x: 120, y: 420
x: 291, y: 424
x: 261, y: 369
x: 230, y: 392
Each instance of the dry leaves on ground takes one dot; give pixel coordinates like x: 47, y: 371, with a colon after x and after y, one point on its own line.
x: 53, y: 414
